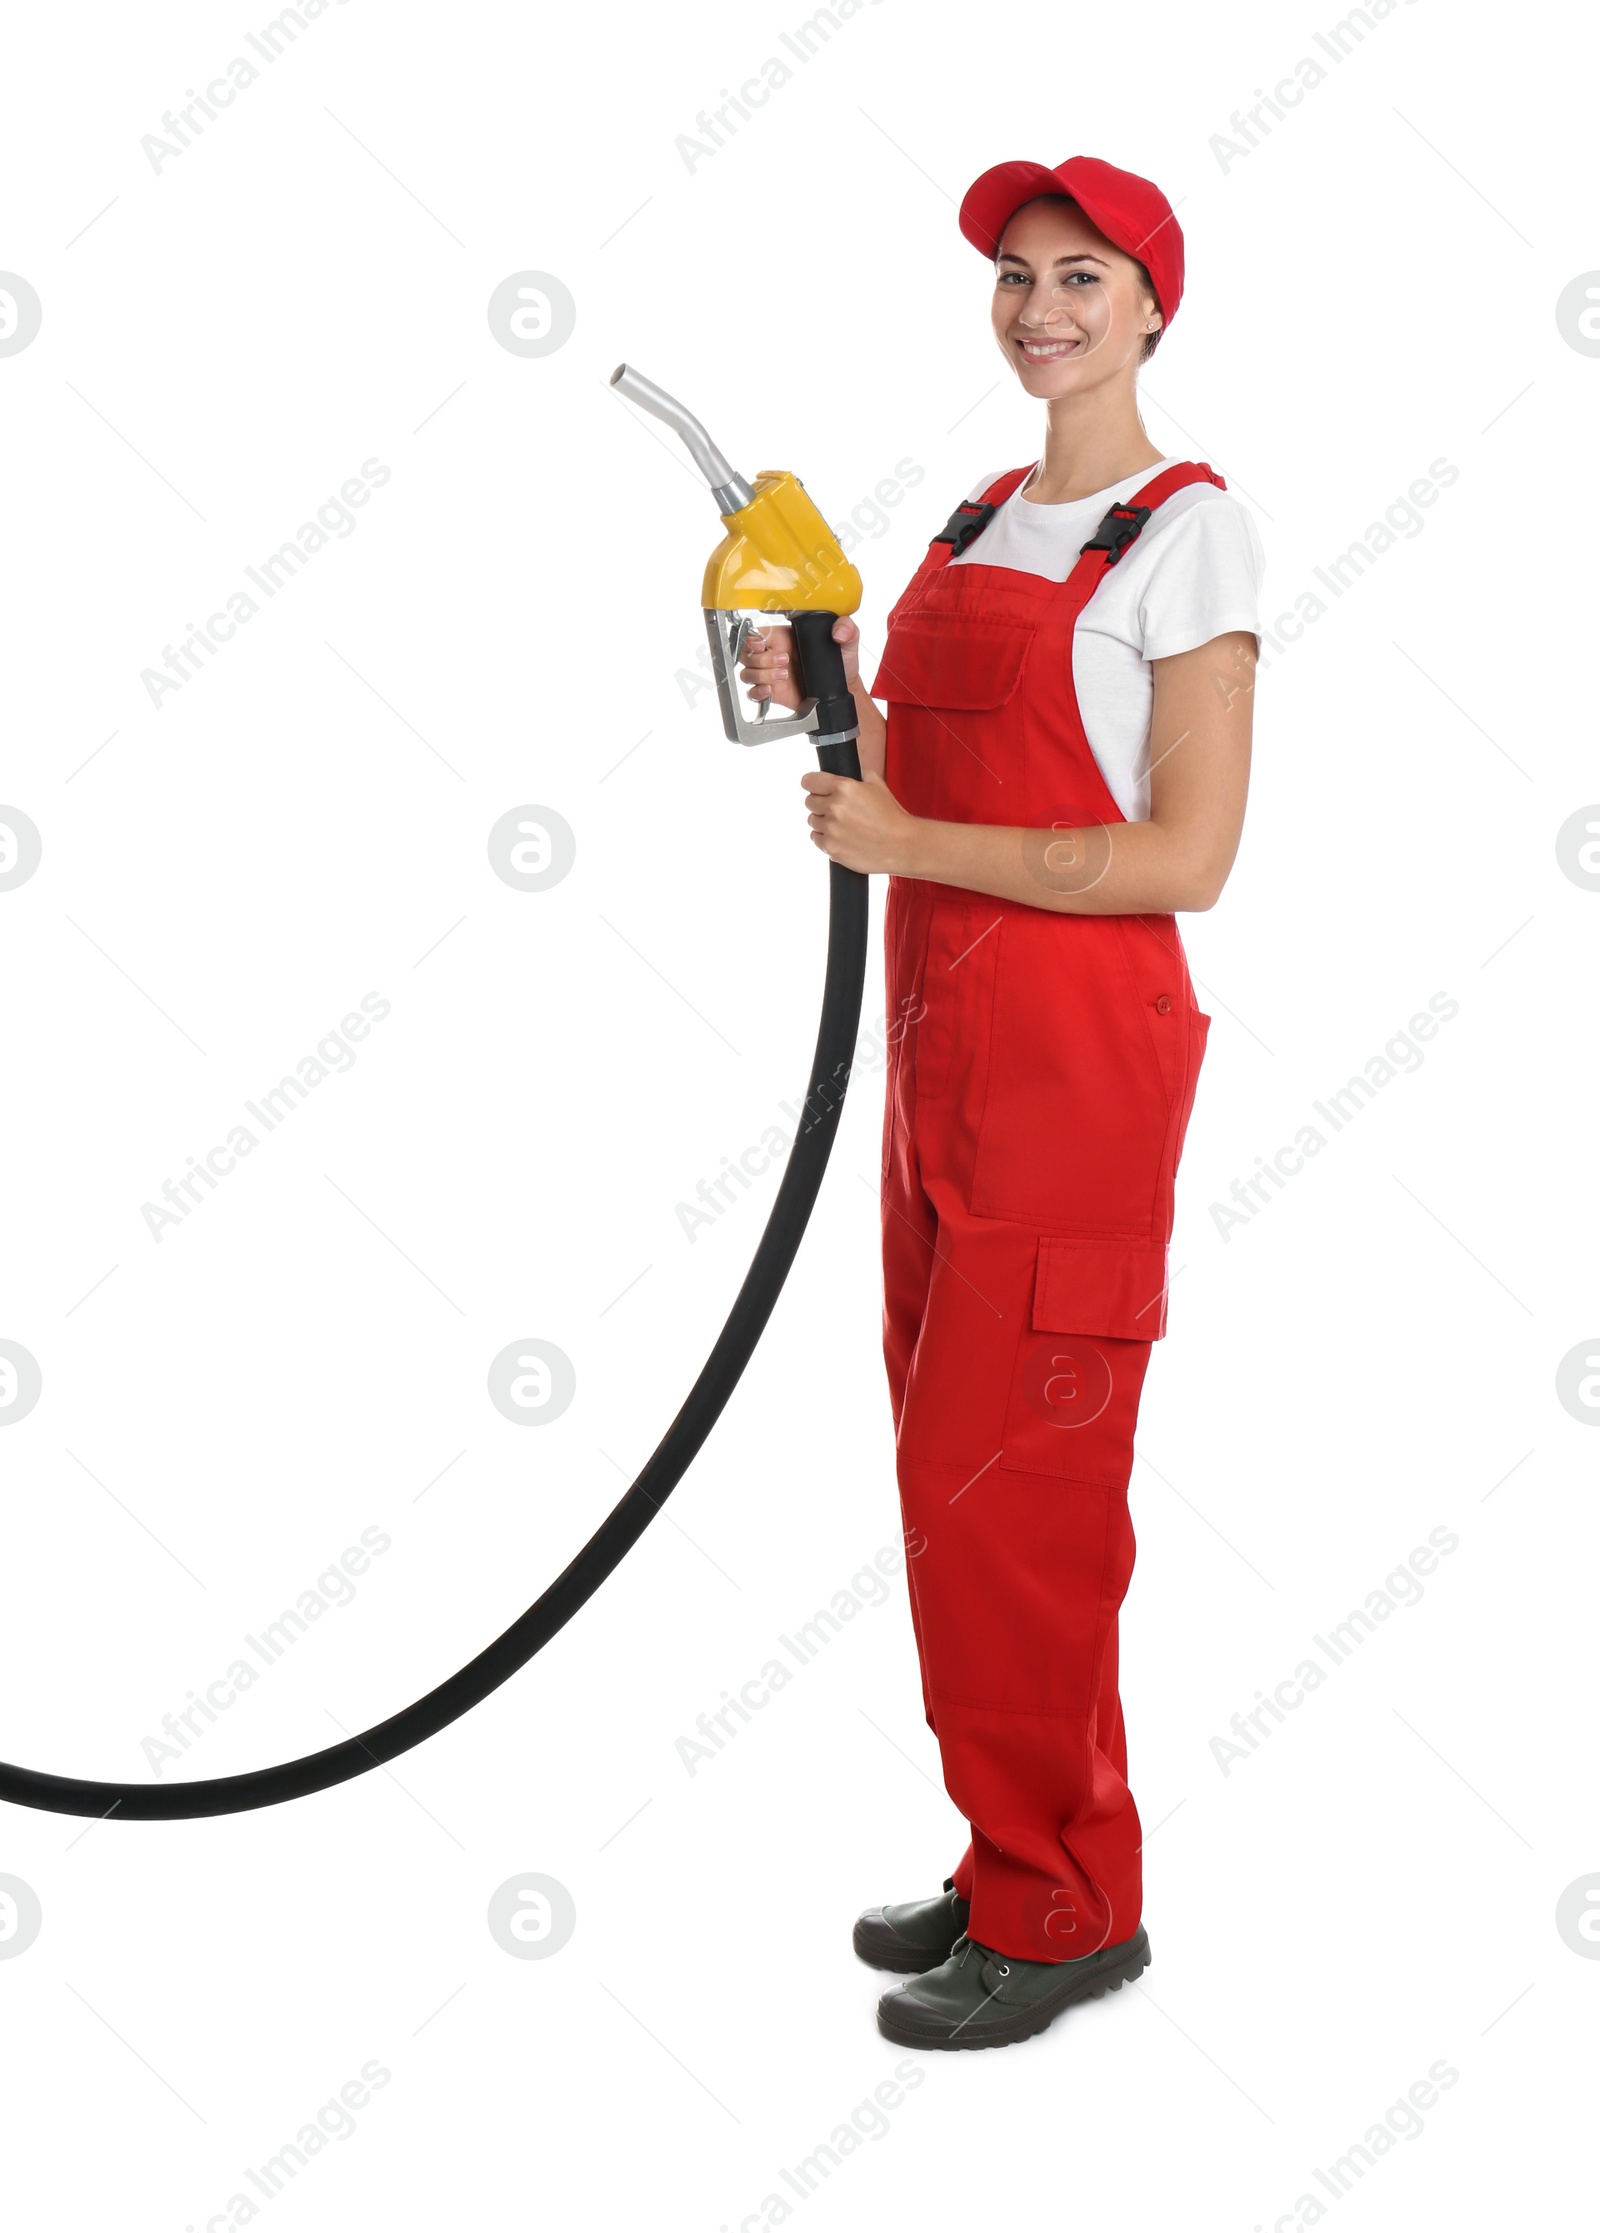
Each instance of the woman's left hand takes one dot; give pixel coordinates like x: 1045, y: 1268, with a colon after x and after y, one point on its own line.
x: 861, y: 825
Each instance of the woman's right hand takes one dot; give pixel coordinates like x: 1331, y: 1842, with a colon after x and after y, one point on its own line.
x: 767, y: 663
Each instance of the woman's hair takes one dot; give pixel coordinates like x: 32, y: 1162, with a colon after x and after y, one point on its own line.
x: 1148, y: 347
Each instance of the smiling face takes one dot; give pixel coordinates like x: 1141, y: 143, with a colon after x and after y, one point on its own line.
x: 1070, y: 311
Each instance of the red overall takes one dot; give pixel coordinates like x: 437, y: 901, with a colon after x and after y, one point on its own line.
x: 1042, y: 1070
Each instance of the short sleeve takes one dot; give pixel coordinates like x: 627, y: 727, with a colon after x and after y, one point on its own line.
x: 1206, y: 569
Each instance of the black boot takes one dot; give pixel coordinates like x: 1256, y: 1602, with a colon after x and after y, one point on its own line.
x: 979, y: 1998
x: 913, y: 1935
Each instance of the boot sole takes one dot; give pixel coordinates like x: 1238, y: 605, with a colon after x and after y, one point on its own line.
x: 1025, y: 2023
x: 902, y: 1961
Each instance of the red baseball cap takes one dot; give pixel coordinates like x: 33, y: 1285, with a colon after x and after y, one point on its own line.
x: 1134, y: 215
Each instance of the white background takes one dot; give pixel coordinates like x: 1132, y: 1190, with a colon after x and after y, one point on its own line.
x: 1373, y: 1889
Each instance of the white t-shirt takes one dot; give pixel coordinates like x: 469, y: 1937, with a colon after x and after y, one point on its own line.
x: 1194, y: 573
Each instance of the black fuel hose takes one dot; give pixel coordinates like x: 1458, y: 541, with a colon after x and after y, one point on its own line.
x: 627, y: 1521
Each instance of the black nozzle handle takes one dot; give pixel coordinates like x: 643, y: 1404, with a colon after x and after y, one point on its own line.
x: 822, y: 677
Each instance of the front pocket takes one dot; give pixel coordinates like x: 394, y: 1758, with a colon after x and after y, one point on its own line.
x: 1080, y: 1367
x: 1199, y: 1032
x: 1077, y: 1116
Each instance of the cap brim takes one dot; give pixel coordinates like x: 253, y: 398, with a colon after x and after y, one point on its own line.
x: 991, y: 201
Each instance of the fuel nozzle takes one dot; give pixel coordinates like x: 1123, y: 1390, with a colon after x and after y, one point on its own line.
x: 731, y: 490
x: 778, y: 560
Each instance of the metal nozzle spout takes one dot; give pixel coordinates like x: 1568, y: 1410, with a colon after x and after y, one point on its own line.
x: 731, y: 490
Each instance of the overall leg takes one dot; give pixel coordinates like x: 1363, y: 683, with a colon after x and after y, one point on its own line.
x: 1014, y: 1454
x: 909, y: 1221
x: 1109, y: 1738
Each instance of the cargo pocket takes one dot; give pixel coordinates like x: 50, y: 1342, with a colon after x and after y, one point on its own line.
x: 1080, y: 1365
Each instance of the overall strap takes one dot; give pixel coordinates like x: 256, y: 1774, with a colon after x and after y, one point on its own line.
x: 1122, y: 527
x: 1124, y: 523
x: 968, y: 521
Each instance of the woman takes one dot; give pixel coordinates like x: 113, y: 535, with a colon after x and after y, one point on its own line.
x: 1063, y: 769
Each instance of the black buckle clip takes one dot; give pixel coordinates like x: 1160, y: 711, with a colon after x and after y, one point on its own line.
x: 965, y: 524
x: 1117, y: 530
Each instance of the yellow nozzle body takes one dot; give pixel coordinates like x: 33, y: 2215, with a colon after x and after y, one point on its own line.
x: 779, y: 555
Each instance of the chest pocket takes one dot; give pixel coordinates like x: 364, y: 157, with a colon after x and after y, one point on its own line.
x: 952, y: 684
x: 940, y: 663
